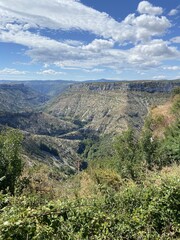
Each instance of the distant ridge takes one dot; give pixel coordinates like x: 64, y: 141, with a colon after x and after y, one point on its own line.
x: 110, y: 107
x: 18, y: 97
x: 53, y: 88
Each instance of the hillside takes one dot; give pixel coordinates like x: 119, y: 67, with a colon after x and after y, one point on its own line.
x: 37, y: 123
x: 18, y: 97
x: 19, y: 110
x: 49, y: 88
x: 108, y: 108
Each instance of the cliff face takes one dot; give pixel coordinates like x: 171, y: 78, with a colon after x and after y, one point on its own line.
x: 143, y: 86
x: 111, y: 107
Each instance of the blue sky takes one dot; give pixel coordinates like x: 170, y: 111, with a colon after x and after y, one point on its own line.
x: 89, y: 39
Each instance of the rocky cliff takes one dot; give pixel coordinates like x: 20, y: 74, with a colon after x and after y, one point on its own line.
x: 108, y: 108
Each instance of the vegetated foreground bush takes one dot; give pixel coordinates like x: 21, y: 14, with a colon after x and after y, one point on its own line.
x: 137, y: 212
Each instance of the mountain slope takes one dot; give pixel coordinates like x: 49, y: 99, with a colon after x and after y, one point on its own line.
x: 37, y: 123
x: 110, y: 107
x: 50, y: 88
x: 18, y: 97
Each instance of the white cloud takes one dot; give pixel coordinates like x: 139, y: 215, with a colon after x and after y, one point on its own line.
x: 144, y: 27
x: 175, y: 39
x: 98, y: 45
x: 71, y: 15
x: 142, y: 56
x: 11, y: 71
x: 159, y: 77
x: 94, y: 70
x: 156, y: 49
x: 148, y: 8
x: 173, y: 12
x: 61, y: 14
x: 73, y: 43
x: 105, y: 51
x: 51, y: 72
x: 172, y: 68
x: 151, y: 54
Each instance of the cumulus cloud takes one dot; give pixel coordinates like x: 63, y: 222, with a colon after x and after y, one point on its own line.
x: 148, y: 8
x: 71, y: 15
x: 11, y: 71
x: 156, y: 48
x: 99, y: 45
x: 144, y: 27
x: 144, y: 56
x: 150, y: 55
x: 173, y: 12
x: 175, y: 39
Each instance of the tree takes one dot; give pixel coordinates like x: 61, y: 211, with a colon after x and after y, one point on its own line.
x: 170, y: 145
x: 10, y: 161
x: 128, y: 154
x: 149, y: 146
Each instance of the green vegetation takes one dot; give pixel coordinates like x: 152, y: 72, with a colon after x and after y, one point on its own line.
x: 135, y: 155
x: 10, y: 161
x: 134, y: 212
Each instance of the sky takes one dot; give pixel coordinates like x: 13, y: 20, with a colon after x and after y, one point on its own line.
x: 89, y: 39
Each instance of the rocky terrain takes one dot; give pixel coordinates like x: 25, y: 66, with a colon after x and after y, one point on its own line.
x: 49, y: 88
x: 109, y: 108
x: 18, y: 97
x: 37, y: 123
x: 19, y: 109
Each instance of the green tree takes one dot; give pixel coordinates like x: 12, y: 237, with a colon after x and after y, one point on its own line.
x: 149, y: 146
x: 128, y: 154
x: 169, y: 150
x: 10, y: 161
x: 170, y: 145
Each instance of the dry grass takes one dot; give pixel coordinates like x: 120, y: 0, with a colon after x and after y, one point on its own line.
x: 156, y: 177
x: 162, y: 117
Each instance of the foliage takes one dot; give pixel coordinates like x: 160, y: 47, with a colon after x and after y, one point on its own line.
x: 10, y: 161
x: 176, y: 106
x: 149, y: 145
x: 176, y: 91
x: 137, y: 212
x: 96, y: 148
x: 170, y: 146
x: 128, y: 154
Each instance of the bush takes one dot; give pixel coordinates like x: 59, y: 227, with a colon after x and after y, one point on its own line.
x: 137, y: 212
